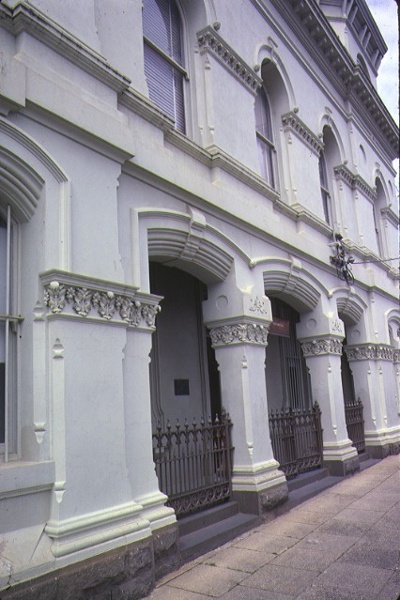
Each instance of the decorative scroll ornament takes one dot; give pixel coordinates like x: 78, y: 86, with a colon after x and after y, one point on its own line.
x: 248, y: 333
x: 372, y: 352
x: 259, y: 305
x: 341, y: 262
x: 322, y: 346
x: 88, y: 302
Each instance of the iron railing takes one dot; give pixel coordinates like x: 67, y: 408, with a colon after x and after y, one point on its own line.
x: 194, y: 463
x: 355, y: 423
x: 296, y: 438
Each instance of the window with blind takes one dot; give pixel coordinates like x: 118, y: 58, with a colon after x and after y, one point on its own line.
x: 266, y: 148
x: 323, y: 178
x: 8, y: 335
x: 163, y: 58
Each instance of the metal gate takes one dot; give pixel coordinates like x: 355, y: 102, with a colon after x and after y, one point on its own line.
x: 355, y: 424
x: 194, y: 463
x: 296, y: 438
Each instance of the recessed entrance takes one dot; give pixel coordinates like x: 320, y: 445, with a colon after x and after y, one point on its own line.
x: 294, y: 423
x: 191, y: 438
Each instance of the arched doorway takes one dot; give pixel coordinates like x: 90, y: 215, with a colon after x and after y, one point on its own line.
x: 291, y: 389
x: 191, y: 438
x: 294, y: 423
x: 353, y: 406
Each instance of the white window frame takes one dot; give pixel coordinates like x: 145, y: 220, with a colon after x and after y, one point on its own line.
x: 265, y: 141
x: 177, y: 68
x: 325, y: 193
x: 11, y: 321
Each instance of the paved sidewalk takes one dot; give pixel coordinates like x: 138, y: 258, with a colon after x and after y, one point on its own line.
x: 343, y: 544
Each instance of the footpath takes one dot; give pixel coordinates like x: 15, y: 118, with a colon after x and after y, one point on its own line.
x: 343, y: 544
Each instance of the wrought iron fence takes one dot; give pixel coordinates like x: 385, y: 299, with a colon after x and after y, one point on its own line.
x: 296, y: 438
x: 355, y: 423
x: 194, y: 463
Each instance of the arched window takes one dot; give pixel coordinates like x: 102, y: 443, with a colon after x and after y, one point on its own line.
x: 329, y: 158
x: 379, y: 204
x: 325, y: 195
x: 163, y: 58
x: 8, y: 327
x: 264, y: 135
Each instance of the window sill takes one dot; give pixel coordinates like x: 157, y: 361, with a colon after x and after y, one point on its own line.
x: 21, y: 478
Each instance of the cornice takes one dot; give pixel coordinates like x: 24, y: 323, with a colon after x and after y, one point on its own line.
x: 301, y: 213
x: 226, y: 162
x: 388, y: 213
x: 212, y: 43
x: 314, y: 31
x: 146, y: 109
x: 116, y: 151
x: 73, y: 295
x: 371, y: 352
x: 291, y: 122
x: 354, y: 181
x: 367, y: 28
x: 25, y: 17
x: 366, y: 255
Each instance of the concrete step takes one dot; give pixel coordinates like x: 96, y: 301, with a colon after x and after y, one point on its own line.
x: 366, y: 461
x: 307, y: 478
x: 212, y: 536
x: 308, y: 490
x: 207, y: 517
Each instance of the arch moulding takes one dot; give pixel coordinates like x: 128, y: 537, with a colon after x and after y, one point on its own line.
x: 26, y: 169
x: 182, y: 240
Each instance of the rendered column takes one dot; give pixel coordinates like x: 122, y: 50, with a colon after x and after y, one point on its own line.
x: 239, y: 343
x: 138, y: 432
x: 139, y: 453
x: 375, y: 384
x: 322, y: 356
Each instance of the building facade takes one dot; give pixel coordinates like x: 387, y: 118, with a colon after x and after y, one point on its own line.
x: 182, y: 185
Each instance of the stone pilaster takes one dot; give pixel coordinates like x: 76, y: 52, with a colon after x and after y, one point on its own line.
x: 374, y: 374
x: 322, y: 355
x: 102, y: 332
x: 239, y: 346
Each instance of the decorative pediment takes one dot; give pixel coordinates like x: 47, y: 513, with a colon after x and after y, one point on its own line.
x: 354, y: 181
x: 291, y: 122
x: 211, y: 42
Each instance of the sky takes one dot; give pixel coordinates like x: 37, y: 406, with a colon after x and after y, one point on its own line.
x: 385, y: 15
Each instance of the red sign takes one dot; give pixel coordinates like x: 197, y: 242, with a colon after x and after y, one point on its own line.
x: 280, y: 327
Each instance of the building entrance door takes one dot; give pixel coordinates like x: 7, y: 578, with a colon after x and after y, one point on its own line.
x: 353, y: 408
x: 191, y: 436
x: 294, y: 423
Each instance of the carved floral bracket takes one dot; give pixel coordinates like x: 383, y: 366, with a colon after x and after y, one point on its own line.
x: 239, y: 333
x: 372, y: 352
x: 321, y: 346
x: 134, y: 309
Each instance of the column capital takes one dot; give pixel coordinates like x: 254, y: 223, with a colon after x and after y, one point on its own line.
x: 372, y: 352
x: 241, y: 331
x: 70, y: 295
x: 321, y: 345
